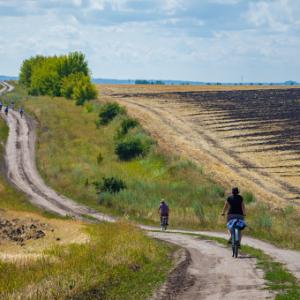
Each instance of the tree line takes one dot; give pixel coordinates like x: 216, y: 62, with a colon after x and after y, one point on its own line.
x: 64, y: 75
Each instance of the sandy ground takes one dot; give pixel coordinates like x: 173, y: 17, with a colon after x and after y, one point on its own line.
x: 216, y: 275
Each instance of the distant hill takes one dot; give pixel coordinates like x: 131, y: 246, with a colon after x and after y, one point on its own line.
x: 7, y: 78
x: 169, y: 82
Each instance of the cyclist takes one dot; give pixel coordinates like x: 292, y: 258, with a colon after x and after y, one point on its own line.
x: 21, y: 111
x: 6, y: 110
x: 163, y: 211
x: 12, y: 105
x: 1, y: 105
x: 234, y: 207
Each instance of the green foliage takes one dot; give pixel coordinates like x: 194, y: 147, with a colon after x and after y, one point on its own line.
x: 249, y: 197
x: 126, y: 125
x: 130, y: 148
x: 111, y: 185
x: 108, y: 112
x: 66, y: 75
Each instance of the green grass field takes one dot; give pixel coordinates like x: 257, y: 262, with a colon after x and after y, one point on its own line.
x: 69, y: 144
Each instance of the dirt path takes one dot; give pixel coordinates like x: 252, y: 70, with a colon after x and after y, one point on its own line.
x: 215, y: 273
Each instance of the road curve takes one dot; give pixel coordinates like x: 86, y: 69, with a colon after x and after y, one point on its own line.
x: 215, y: 274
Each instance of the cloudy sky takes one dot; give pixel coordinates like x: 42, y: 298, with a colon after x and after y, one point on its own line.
x: 203, y: 40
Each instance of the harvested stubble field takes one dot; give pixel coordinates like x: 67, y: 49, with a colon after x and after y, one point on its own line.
x: 247, y: 136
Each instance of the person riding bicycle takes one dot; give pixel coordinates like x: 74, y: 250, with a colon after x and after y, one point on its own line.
x: 6, y: 110
x: 163, y: 211
x: 21, y: 111
x: 235, y: 208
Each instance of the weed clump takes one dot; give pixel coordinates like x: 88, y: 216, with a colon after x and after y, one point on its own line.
x: 108, y: 112
x: 111, y: 185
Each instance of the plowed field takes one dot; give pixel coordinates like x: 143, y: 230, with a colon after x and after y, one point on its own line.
x: 248, y: 137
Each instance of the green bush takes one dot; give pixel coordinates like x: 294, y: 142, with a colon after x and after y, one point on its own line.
x: 126, y: 125
x: 108, y: 112
x: 110, y: 185
x: 130, y: 148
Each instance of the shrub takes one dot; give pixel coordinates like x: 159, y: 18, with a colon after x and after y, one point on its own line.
x: 248, y: 197
x: 108, y: 112
x: 110, y: 185
x: 126, y: 125
x: 131, y: 148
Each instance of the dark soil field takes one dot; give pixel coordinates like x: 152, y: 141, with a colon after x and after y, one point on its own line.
x: 246, y: 137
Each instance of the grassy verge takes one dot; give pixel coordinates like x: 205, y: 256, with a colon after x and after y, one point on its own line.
x: 72, y: 153
x: 118, y: 263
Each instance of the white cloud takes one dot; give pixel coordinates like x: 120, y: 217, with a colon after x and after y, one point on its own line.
x: 157, y: 38
x: 277, y: 15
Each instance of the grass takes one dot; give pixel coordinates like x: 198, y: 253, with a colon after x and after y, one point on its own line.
x: 72, y: 153
x: 119, y: 262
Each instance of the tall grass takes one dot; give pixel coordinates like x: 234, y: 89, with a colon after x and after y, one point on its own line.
x: 69, y: 144
x: 120, y: 262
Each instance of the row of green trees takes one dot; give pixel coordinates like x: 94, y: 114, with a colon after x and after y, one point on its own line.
x: 65, y: 75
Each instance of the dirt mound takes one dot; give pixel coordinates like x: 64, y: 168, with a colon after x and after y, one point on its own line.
x: 20, y: 231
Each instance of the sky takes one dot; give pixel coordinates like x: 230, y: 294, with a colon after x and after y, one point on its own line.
x: 200, y: 40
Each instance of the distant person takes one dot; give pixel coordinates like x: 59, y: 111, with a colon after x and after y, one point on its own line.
x: 6, y: 110
x: 21, y: 111
x: 234, y: 207
x: 163, y: 210
x: 12, y: 105
x: 1, y: 105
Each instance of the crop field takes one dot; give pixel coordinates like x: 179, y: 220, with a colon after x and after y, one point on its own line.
x: 247, y: 136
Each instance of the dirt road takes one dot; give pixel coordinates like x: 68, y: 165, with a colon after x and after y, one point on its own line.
x: 215, y: 274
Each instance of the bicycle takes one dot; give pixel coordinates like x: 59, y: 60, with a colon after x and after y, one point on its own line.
x: 164, y: 223
x: 235, y: 239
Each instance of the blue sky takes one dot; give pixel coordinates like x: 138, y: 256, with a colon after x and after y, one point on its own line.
x: 203, y: 40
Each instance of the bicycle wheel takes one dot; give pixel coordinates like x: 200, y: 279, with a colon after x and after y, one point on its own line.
x: 236, y: 250
x: 233, y: 242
